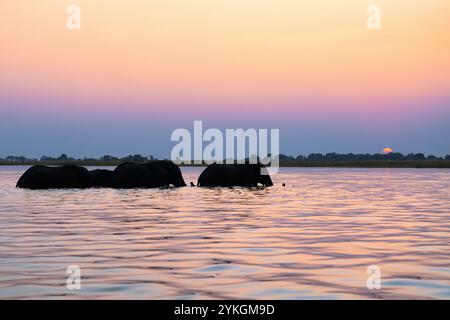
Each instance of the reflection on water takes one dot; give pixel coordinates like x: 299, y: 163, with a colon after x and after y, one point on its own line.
x: 313, y: 238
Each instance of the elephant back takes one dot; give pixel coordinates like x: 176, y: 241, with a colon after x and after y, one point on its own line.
x: 44, y: 177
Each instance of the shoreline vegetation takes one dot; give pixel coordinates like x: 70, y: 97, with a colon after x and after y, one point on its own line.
x: 390, y: 160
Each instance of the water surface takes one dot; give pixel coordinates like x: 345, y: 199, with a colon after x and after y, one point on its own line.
x: 314, y: 238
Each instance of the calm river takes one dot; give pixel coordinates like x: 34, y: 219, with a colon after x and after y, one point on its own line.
x: 314, y: 238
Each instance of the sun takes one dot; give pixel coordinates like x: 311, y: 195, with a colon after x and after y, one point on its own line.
x: 387, y: 150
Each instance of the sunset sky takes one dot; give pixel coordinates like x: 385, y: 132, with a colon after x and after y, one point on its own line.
x: 136, y: 70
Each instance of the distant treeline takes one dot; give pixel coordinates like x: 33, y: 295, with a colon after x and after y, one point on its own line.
x: 64, y: 158
x: 361, y: 157
x: 394, y: 159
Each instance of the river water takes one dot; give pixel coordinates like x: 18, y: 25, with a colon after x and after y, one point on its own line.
x: 315, y: 238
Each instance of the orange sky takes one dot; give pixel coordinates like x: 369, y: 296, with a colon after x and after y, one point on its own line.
x: 191, y: 56
x: 214, y: 48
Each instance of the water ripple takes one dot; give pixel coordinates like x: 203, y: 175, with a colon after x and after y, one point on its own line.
x: 312, y: 239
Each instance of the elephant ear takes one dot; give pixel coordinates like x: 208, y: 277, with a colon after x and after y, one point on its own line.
x: 257, y: 168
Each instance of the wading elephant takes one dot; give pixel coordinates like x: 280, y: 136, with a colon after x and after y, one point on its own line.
x: 153, y: 174
x: 100, y: 177
x: 43, y: 177
x: 229, y: 175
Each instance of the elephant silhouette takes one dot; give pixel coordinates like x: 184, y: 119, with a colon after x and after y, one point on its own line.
x: 230, y: 175
x: 100, y: 177
x: 153, y: 174
x: 44, y: 177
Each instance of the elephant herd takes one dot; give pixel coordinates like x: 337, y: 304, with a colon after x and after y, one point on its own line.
x: 153, y: 174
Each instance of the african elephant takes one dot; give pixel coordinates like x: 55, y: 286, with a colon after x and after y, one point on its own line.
x: 153, y: 174
x: 43, y: 177
x: 229, y: 175
x: 100, y: 177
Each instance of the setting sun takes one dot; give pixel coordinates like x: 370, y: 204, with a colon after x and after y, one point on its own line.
x: 387, y: 150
